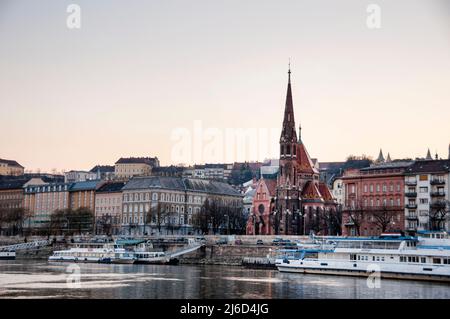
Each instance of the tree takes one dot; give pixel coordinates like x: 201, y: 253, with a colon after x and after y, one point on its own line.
x: 68, y: 221
x: 383, y: 217
x: 200, y: 219
x: 104, y: 224
x: 438, y: 215
x: 157, y: 215
x: 13, y: 219
x: 356, y: 214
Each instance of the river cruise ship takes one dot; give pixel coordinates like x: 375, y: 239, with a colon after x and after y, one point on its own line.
x: 390, y: 255
x: 95, y: 252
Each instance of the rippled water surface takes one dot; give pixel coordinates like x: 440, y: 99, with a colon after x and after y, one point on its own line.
x: 40, y: 279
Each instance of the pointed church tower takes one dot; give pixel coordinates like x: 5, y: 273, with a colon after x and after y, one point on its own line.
x: 429, y: 155
x: 380, y: 158
x: 288, y: 138
x: 388, y: 158
x: 288, y: 141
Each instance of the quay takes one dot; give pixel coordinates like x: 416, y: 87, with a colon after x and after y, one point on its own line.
x: 232, y: 250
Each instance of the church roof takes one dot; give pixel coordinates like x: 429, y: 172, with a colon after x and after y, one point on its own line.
x: 310, y: 191
x: 306, y: 164
x: 325, y: 192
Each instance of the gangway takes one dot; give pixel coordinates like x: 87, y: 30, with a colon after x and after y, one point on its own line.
x: 33, y: 244
x: 184, y: 250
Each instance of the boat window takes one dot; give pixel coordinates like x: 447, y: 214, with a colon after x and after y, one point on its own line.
x: 447, y: 261
x: 402, y: 259
x: 352, y: 256
x: 423, y: 260
x: 382, y: 258
x: 436, y: 260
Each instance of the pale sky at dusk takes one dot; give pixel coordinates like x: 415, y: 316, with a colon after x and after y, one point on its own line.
x: 137, y: 70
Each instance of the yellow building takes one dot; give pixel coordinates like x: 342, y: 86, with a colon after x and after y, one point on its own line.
x: 9, y: 167
x: 135, y: 166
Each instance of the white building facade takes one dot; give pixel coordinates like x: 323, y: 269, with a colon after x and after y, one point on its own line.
x: 427, y: 196
x: 159, y: 205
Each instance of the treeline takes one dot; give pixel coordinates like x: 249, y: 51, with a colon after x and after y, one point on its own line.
x: 217, y: 218
x: 12, y: 221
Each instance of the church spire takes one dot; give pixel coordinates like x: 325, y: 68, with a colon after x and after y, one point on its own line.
x: 388, y: 158
x: 380, y: 158
x: 429, y: 155
x: 288, y: 133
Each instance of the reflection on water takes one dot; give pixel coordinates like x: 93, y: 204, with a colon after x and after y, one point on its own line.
x: 40, y: 279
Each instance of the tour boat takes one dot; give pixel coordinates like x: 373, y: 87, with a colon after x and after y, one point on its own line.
x: 151, y: 257
x: 389, y: 255
x: 7, y: 255
x: 94, y: 252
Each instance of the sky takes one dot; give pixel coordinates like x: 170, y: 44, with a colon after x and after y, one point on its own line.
x: 174, y: 78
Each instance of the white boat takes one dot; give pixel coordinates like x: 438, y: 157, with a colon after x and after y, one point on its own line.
x: 94, y: 252
x: 123, y: 256
x: 85, y: 252
x: 151, y: 257
x: 7, y: 255
x: 392, y: 256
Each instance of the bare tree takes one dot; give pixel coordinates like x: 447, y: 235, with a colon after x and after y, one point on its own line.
x: 157, y: 215
x: 356, y: 214
x: 438, y: 214
x: 104, y: 224
x: 383, y: 217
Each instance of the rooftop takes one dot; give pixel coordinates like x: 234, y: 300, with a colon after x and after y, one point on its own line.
x: 87, y: 185
x: 388, y: 165
x: 111, y: 187
x: 183, y: 184
x: 429, y: 166
x: 138, y: 160
x: 102, y: 169
x: 10, y: 162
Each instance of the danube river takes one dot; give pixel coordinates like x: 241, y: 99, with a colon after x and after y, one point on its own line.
x: 40, y: 279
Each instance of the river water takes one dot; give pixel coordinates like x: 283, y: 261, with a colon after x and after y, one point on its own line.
x: 41, y: 279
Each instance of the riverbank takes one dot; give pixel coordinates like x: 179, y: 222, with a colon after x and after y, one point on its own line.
x: 233, y: 253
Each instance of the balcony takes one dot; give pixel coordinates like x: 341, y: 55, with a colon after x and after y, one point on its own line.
x: 411, y: 206
x: 438, y: 205
x: 411, y: 194
x: 437, y: 194
x: 437, y: 182
x: 411, y: 183
x: 412, y: 217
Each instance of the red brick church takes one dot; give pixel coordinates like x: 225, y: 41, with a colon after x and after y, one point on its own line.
x: 302, y: 203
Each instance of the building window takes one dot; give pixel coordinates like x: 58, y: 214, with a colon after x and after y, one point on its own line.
x: 423, y: 189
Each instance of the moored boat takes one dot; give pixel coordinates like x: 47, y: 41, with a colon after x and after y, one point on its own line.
x: 391, y: 256
x: 7, y: 255
x: 94, y: 253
